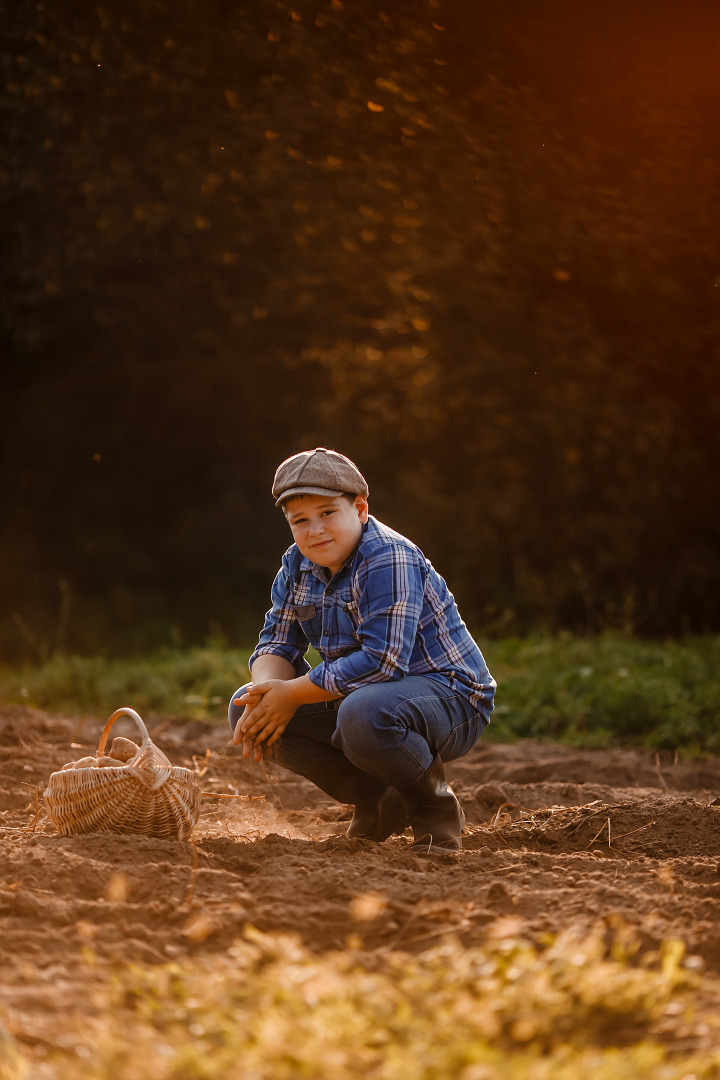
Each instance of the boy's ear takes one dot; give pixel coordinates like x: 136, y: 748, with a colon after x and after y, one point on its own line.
x: 361, y: 505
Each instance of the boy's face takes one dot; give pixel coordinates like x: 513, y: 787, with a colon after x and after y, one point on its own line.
x: 326, y: 528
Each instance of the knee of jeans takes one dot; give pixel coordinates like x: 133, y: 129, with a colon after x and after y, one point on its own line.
x: 236, y: 711
x: 356, y: 723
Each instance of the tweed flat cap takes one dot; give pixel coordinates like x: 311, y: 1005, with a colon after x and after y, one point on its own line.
x: 317, y: 472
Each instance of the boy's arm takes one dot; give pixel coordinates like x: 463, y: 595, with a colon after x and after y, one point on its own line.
x: 282, y: 636
x: 270, y: 666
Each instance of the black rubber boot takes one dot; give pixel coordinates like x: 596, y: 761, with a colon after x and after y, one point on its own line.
x: 436, y: 816
x: 380, y: 810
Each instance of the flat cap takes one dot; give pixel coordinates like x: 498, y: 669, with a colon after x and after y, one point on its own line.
x: 317, y: 472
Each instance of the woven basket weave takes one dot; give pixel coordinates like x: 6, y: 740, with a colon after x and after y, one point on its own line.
x: 145, y: 795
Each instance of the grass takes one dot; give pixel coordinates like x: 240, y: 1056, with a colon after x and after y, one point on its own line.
x: 603, y: 691
x: 192, y: 683
x: 267, y: 1009
x: 610, y: 691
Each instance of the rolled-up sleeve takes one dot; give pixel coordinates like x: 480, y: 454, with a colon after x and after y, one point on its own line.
x: 390, y: 587
x: 282, y: 635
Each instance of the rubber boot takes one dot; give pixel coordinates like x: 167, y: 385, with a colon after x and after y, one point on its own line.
x: 380, y: 810
x: 436, y: 816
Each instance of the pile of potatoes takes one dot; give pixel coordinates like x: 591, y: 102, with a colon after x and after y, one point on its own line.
x: 121, y: 751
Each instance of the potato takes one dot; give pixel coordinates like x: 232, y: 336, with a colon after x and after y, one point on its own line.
x: 123, y: 749
x: 85, y: 763
x: 106, y: 762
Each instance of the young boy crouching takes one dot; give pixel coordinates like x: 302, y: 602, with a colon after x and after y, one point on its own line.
x: 401, y: 687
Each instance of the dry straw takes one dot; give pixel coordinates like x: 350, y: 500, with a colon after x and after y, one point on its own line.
x: 145, y: 795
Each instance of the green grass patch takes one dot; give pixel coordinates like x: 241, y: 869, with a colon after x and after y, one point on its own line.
x: 603, y: 691
x: 271, y: 1010
x: 609, y: 691
x: 192, y: 683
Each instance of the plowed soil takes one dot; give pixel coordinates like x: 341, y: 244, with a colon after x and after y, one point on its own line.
x: 556, y: 837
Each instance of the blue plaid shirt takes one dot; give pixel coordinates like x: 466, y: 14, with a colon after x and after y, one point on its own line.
x: 384, y: 615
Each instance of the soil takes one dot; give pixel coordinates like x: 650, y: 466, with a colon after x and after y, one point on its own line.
x: 555, y: 837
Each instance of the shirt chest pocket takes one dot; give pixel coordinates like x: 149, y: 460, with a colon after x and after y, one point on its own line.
x: 308, y: 617
x: 347, y: 620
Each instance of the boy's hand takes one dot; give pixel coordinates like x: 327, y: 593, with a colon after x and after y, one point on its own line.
x: 269, y: 707
x: 249, y: 699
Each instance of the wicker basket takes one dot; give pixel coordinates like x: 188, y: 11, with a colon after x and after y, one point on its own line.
x: 145, y: 795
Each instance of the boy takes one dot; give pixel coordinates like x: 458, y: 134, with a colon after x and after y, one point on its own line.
x: 402, y: 687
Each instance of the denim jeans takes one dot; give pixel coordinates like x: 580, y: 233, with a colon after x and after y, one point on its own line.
x: 392, y: 730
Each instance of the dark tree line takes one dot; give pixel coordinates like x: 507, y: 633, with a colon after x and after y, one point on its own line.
x: 472, y: 245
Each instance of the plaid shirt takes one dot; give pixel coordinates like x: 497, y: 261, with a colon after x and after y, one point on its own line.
x: 385, y: 614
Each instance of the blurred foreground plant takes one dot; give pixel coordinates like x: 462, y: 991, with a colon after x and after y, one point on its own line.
x: 271, y: 1010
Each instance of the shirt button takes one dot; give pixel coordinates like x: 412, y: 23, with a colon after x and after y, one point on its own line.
x: 329, y: 591
x: 326, y: 633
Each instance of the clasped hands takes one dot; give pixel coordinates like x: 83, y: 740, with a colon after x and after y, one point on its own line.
x: 269, y: 707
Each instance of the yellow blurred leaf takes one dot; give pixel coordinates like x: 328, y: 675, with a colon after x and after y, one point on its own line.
x: 199, y: 927
x: 233, y: 99
x: 368, y: 906
x: 374, y: 107
x: 202, y: 223
x: 420, y: 324
x: 561, y: 275
x: 118, y: 886
x: 211, y: 184
x: 387, y: 84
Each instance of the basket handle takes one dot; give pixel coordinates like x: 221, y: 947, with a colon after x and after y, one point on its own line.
x: 150, y: 765
x: 125, y: 711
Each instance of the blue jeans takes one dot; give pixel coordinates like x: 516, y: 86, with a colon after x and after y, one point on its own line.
x: 392, y: 730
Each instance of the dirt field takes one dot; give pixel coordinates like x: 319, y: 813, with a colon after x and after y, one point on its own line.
x: 556, y: 837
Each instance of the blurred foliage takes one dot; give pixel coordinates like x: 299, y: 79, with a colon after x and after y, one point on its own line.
x: 604, y: 691
x: 474, y: 246
x: 194, y: 683
x: 609, y: 691
x: 590, y: 1007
